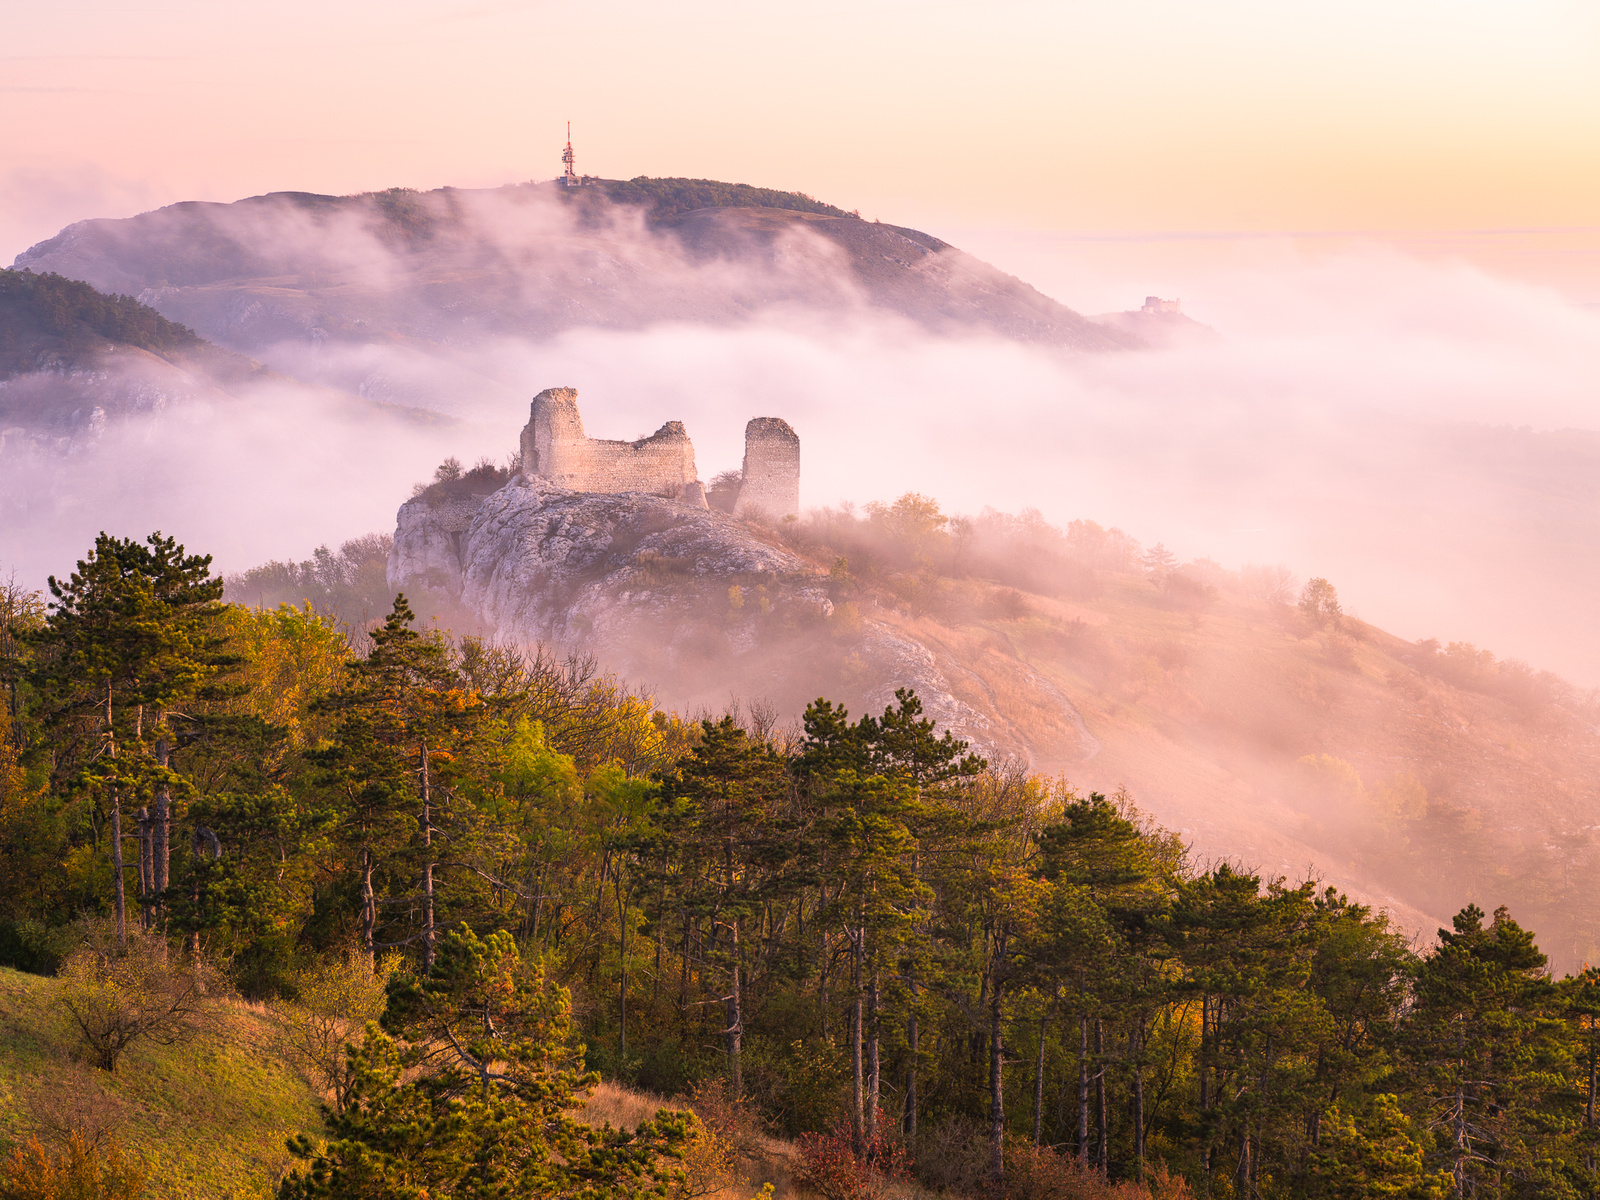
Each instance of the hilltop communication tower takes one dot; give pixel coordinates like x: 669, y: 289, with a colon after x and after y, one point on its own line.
x: 569, y: 177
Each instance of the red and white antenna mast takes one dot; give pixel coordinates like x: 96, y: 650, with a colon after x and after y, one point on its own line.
x: 569, y: 176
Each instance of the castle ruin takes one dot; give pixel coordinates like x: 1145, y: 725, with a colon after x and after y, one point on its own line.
x: 555, y: 447
x: 771, y: 486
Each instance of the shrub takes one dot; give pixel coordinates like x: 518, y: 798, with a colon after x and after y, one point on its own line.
x: 953, y: 1157
x: 79, y: 1171
x: 334, y: 1001
x: 119, y: 995
x: 1185, y: 593
x: 830, y: 1167
x: 1272, y: 585
x: 1319, y: 603
x: 722, y: 493
x: 74, y: 1104
x: 1040, y: 1173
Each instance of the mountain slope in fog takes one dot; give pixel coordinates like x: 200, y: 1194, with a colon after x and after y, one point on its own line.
x: 442, y: 271
x: 1416, y: 776
x: 73, y: 358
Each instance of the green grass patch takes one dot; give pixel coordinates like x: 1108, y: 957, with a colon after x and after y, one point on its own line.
x: 207, y: 1117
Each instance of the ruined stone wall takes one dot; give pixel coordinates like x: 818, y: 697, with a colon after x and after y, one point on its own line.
x: 555, y: 447
x: 771, y: 486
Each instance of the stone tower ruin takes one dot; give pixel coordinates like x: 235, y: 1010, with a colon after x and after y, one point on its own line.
x: 771, y: 484
x: 554, y: 447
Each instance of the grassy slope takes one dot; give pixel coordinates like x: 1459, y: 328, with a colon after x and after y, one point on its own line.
x: 208, y: 1118
x: 1205, y: 719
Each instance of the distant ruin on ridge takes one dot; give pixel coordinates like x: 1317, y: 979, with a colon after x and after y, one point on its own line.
x: 771, y: 483
x: 555, y: 447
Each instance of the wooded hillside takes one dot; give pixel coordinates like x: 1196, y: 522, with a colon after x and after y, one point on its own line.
x: 921, y: 964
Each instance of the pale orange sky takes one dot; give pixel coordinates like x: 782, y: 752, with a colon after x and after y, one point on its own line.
x: 1227, y: 115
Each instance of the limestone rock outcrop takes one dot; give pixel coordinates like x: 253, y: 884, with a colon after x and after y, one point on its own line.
x: 694, y: 603
x: 548, y: 564
x: 609, y: 549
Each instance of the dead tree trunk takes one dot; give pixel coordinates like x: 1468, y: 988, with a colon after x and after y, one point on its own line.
x: 1136, y: 1058
x: 161, y: 828
x: 147, y: 901
x: 735, y: 1022
x: 429, y: 935
x: 121, y: 901
x: 369, y: 910
x: 622, y: 971
x: 873, y: 1079
x: 997, y: 1095
x: 913, y: 1041
x: 203, y: 839
x: 1102, y: 1157
x: 1083, y: 1089
x: 1038, y: 1090
x: 857, y: 1088
x: 1205, y: 1077
x: 116, y: 867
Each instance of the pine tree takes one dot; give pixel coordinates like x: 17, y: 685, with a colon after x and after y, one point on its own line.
x: 466, y: 1092
x: 1488, y: 1054
x: 133, y: 634
x: 1101, y: 952
x: 404, y: 722
x: 718, y: 842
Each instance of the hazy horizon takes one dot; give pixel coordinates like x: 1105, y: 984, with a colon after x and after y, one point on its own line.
x: 1236, y: 116
x: 1313, y: 431
x: 1387, y: 213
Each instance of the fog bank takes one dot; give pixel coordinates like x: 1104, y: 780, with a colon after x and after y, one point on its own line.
x: 1399, y: 425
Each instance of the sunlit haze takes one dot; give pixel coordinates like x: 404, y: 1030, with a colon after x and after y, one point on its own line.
x: 982, y: 600
x: 1161, y: 116
x: 1387, y: 210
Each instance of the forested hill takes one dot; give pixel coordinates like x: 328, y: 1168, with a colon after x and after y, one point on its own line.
x: 48, y: 322
x: 925, y: 968
x: 665, y: 199
x: 1247, y: 714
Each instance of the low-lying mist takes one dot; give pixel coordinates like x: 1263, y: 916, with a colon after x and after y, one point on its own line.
x: 1402, y: 427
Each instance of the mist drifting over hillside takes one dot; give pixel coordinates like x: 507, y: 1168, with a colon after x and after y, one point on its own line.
x: 1411, y: 429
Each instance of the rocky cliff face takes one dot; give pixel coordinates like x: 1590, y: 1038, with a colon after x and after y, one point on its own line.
x: 695, y: 603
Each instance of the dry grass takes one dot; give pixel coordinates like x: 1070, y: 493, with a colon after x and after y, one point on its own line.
x: 207, y: 1118
x: 622, y: 1108
x: 735, y: 1158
